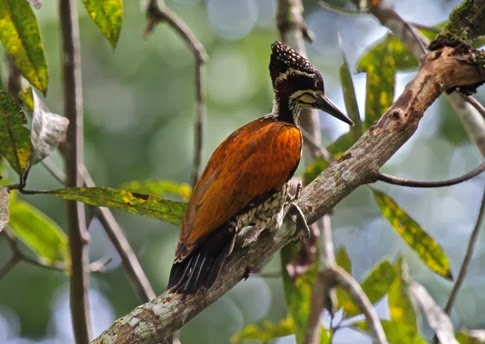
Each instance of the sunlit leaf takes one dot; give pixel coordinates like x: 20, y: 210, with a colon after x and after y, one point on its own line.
x: 48, y: 130
x: 38, y: 232
x: 471, y: 337
x: 381, y: 63
x: 15, y: 143
x: 401, y: 307
x: 428, y: 250
x: 264, y: 332
x: 375, y: 285
x: 130, y: 202
x: 439, y: 321
x: 4, y: 214
x: 108, y: 15
x: 20, y: 36
x: 343, y: 259
x: 26, y: 96
x: 396, y: 332
x: 160, y: 188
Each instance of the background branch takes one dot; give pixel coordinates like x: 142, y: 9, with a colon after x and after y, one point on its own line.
x: 440, y: 70
x: 467, y: 259
x: 78, y: 234
x: 157, y: 15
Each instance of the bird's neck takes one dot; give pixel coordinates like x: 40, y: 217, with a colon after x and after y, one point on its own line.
x: 283, y: 109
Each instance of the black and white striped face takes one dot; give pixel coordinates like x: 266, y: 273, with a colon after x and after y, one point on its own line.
x: 298, y: 84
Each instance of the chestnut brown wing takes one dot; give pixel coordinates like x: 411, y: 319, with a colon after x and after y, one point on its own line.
x: 257, y: 159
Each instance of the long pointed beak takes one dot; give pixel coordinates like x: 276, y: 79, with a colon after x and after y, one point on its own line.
x: 325, y: 104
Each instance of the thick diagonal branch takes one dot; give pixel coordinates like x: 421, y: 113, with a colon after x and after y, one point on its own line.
x: 440, y: 70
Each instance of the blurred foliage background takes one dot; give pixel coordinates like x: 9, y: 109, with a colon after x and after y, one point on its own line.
x: 139, y: 113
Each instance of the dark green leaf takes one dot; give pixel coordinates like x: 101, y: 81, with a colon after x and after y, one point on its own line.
x: 337, y: 149
x: 428, y: 250
x: 38, y: 232
x: 264, y: 332
x: 396, y: 333
x: 15, y: 143
x: 160, y: 188
x: 21, y: 38
x: 350, y: 100
x: 401, y: 307
x: 313, y: 170
x: 133, y: 203
x: 108, y: 15
x: 298, y: 288
x: 4, y: 214
x: 48, y: 130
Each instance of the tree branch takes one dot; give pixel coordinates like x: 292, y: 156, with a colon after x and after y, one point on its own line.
x: 440, y: 70
x: 468, y: 257
x: 383, y: 177
x: 78, y: 234
x: 473, y: 122
x: 157, y: 15
x: 128, y: 258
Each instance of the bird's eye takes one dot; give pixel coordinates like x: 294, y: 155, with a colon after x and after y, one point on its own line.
x: 318, y: 84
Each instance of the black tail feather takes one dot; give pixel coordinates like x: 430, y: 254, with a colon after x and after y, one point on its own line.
x: 203, y: 265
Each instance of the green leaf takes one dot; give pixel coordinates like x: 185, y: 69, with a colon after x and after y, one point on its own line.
x: 337, y: 149
x: 160, y: 188
x: 401, y: 308
x: 375, y: 285
x: 264, y: 332
x: 396, y: 333
x: 4, y: 214
x: 471, y: 337
x: 428, y: 250
x: 130, y: 202
x: 298, y: 288
x: 15, y: 143
x: 313, y: 170
x: 20, y: 36
x: 108, y: 15
x: 380, y: 63
x: 343, y: 259
x: 38, y: 232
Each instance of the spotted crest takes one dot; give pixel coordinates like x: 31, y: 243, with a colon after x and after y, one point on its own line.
x: 285, y: 59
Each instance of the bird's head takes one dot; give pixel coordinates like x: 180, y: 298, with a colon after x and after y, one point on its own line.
x: 299, y: 82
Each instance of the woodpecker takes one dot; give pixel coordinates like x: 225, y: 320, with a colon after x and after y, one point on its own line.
x: 246, y: 181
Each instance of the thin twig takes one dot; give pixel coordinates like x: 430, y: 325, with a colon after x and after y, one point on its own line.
x: 78, y: 234
x: 476, y: 104
x: 383, y: 177
x: 157, y: 15
x: 468, y: 257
